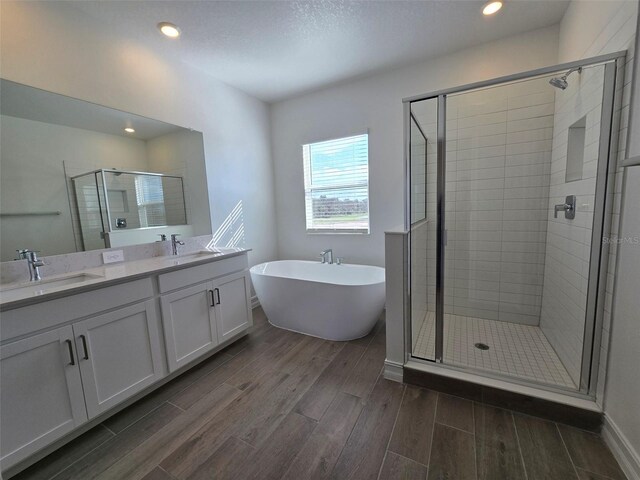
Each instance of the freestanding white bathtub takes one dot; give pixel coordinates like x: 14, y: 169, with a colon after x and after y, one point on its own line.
x: 335, y: 302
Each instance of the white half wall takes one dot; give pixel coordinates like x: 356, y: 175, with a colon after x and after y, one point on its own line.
x: 51, y: 45
x: 375, y: 103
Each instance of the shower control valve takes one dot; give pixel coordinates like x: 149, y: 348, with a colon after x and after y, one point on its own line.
x: 569, y: 208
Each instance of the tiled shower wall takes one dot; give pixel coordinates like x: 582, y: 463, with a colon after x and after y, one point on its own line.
x: 569, y: 240
x: 498, y: 167
x: 617, y: 35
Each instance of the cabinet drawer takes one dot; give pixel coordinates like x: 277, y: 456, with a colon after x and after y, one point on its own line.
x: 201, y: 273
x: 23, y: 321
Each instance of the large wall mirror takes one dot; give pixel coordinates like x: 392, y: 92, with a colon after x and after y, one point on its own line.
x: 76, y: 176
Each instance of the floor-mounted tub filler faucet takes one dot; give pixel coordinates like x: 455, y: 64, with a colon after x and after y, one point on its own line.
x: 326, y: 256
x: 175, y: 242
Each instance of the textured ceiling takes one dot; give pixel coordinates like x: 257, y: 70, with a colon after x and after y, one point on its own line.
x: 278, y: 49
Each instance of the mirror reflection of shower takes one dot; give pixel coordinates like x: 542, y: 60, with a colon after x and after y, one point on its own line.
x: 561, y: 82
x: 108, y: 201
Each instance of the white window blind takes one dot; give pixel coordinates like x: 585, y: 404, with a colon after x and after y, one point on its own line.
x: 150, y: 200
x: 336, y: 184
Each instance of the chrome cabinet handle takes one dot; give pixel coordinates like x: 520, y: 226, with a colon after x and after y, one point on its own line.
x: 85, y: 347
x: 213, y: 298
x: 72, y: 359
x: 218, y: 292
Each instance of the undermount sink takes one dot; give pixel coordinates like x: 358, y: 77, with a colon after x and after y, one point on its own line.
x: 187, y: 257
x: 44, y: 285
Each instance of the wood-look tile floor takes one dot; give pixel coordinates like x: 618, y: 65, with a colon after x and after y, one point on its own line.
x: 279, y: 405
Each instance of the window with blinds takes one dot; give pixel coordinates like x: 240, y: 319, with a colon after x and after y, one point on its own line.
x: 150, y: 200
x: 336, y: 185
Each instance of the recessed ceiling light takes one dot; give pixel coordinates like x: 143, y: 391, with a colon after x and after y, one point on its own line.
x: 129, y: 130
x: 169, y: 29
x: 491, y: 8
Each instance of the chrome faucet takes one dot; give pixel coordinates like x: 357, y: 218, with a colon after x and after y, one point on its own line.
x: 34, y: 264
x: 175, y: 242
x: 23, y: 254
x: 327, y: 256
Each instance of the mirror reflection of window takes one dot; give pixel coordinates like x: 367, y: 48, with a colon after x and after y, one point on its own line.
x: 150, y: 200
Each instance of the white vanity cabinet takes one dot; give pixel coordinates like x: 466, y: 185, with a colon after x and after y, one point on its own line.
x: 198, y: 318
x: 119, y: 355
x: 41, y: 396
x: 189, y: 324
x: 232, y: 297
x: 74, y: 358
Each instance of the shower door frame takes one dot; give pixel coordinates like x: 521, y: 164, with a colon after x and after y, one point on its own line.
x: 594, y: 309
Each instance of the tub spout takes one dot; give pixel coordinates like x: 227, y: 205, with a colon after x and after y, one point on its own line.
x: 327, y: 256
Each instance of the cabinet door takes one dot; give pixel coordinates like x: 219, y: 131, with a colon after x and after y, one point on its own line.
x: 119, y: 355
x: 189, y: 324
x: 232, y: 305
x: 40, y: 393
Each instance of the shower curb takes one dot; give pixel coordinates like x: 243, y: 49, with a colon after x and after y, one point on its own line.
x: 518, y: 402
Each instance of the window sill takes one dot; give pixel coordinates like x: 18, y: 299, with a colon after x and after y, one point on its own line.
x: 319, y: 231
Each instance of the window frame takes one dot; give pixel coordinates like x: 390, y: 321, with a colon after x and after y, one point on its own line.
x: 309, y: 189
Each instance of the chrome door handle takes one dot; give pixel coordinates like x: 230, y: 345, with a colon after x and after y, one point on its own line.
x: 218, y: 293
x: 83, y: 339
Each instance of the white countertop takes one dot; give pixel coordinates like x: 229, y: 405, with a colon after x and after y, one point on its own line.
x: 14, y: 295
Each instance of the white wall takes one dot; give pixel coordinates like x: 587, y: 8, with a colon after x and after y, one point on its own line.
x: 50, y: 45
x: 589, y: 29
x: 374, y: 103
x: 181, y: 153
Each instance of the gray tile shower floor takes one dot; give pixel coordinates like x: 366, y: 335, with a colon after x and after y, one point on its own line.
x: 516, y: 350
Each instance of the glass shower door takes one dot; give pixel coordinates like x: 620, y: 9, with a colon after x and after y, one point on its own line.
x: 507, y: 212
x: 423, y: 157
x: 515, y: 303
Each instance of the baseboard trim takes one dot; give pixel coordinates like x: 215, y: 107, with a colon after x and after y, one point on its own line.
x: 628, y: 459
x: 255, y: 303
x: 393, y: 371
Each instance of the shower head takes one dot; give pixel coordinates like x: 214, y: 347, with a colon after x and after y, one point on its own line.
x: 561, y: 82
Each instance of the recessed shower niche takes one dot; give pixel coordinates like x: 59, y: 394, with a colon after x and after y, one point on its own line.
x: 575, y: 150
